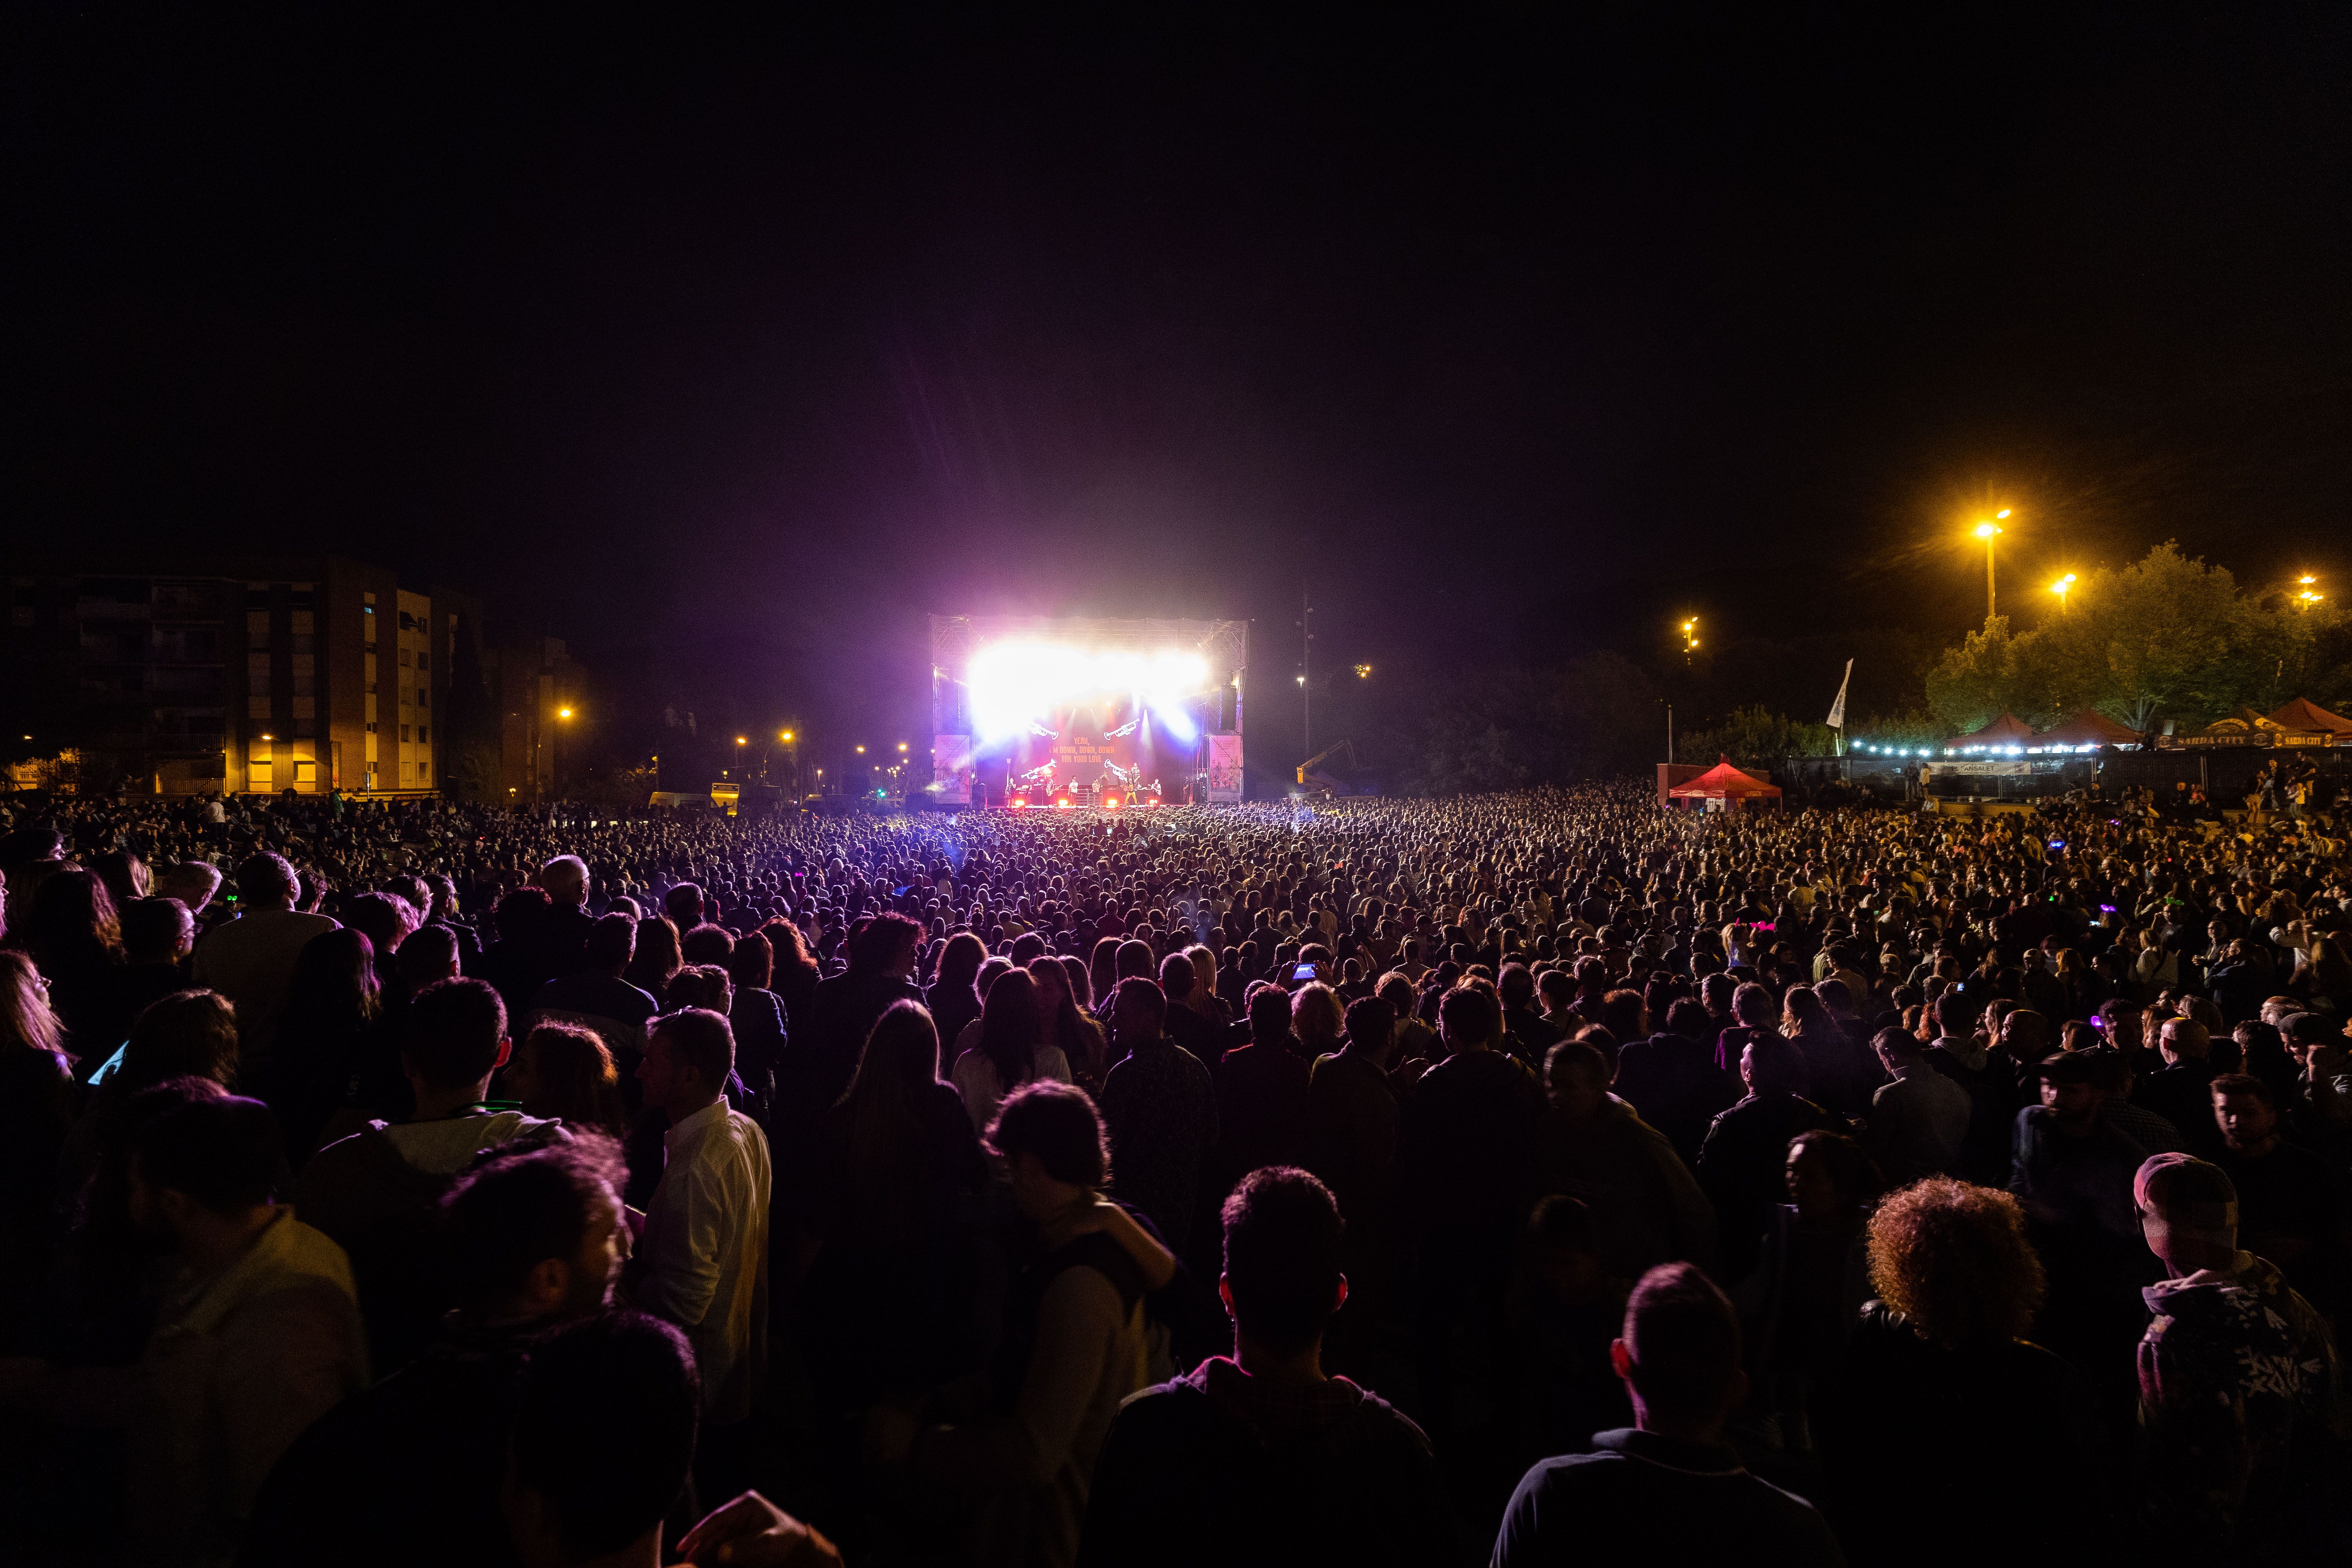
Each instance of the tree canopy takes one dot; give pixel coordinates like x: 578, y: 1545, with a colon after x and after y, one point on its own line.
x: 2166, y: 638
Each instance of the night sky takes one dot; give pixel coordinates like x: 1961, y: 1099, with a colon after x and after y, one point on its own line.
x: 728, y: 355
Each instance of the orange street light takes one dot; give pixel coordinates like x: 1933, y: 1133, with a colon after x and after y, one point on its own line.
x: 2060, y: 587
x: 564, y: 712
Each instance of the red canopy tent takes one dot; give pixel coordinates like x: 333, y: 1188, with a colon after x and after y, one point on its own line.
x: 2088, y: 728
x: 2003, y: 732
x: 2305, y: 717
x: 1726, y: 783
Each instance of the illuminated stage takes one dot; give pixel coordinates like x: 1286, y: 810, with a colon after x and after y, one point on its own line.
x: 1031, y: 711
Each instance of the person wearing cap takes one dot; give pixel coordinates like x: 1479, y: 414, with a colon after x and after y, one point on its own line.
x: 2241, y: 1392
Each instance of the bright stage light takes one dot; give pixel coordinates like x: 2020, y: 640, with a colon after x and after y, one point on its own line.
x: 1111, y: 801
x: 1017, y: 684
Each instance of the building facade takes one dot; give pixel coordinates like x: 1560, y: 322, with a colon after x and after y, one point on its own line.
x: 310, y: 675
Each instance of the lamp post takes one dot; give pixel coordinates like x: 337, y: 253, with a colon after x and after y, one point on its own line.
x: 1306, y: 669
x: 555, y: 752
x: 1990, y: 530
x: 2060, y: 587
x: 2307, y: 594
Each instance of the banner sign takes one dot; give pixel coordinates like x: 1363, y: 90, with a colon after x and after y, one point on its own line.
x: 1975, y: 770
x: 1224, y: 767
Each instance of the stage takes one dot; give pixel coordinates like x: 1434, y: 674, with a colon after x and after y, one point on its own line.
x: 1067, y: 713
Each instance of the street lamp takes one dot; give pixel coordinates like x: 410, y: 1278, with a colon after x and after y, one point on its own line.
x: 555, y: 752
x: 2060, y: 587
x: 1363, y: 672
x: 1990, y: 530
x: 2307, y: 598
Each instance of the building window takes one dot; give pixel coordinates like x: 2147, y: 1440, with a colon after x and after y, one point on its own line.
x: 423, y: 697
x: 404, y: 658
x: 422, y: 658
x: 306, y: 773
x: 424, y: 733
x: 257, y: 770
x: 370, y: 726
x: 404, y: 731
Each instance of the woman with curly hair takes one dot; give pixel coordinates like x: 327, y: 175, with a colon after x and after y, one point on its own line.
x: 1946, y: 1427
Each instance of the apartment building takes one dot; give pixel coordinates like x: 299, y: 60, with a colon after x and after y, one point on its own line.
x: 258, y: 675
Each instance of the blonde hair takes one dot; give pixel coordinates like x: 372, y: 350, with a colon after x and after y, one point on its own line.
x: 25, y: 1015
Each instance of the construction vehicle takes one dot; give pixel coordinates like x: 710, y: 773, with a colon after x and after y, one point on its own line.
x: 1327, y: 784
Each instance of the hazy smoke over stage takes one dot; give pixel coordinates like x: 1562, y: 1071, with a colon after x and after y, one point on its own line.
x: 1036, y: 708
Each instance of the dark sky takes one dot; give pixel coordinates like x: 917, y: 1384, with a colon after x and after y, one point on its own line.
x: 728, y: 356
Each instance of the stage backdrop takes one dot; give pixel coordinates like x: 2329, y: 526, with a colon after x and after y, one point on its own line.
x: 1128, y: 703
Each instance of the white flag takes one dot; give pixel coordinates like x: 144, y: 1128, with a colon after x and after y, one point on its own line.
x: 1837, y: 709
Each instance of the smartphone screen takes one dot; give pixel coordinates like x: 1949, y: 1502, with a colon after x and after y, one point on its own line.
x: 1304, y: 972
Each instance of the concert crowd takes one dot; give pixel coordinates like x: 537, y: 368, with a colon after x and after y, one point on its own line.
x: 1536, y: 1178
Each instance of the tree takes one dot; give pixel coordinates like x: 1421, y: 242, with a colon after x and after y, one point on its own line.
x: 1751, y: 736
x: 476, y: 749
x: 2173, y: 633
x: 2166, y: 636
x: 1973, y: 682
x: 1509, y: 725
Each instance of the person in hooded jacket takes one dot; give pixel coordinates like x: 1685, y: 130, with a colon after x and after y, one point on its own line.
x: 2242, y: 1396
x: 1259, y: 1458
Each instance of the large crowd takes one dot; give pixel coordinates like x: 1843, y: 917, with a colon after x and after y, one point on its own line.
x: 1533, y: 1178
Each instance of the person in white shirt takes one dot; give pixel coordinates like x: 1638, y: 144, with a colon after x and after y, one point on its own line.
x: 702, y: 1259
x: 250, y: 960
x: 1003, y: 1048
